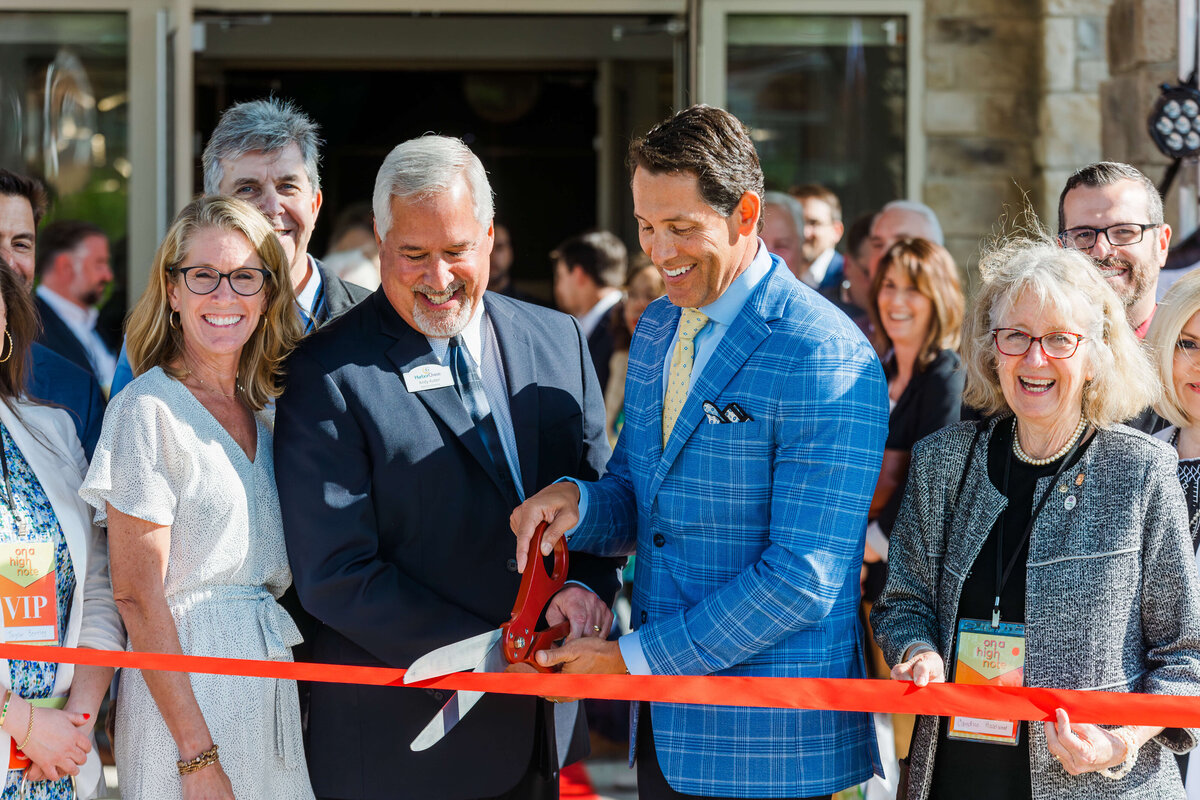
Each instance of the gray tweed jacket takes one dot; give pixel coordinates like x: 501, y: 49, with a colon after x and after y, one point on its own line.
x: 1112, y: 597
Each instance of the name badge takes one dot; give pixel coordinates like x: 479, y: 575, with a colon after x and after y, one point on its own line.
x: 428, y: 376
x: 991, y: 657
x: 28, y: 593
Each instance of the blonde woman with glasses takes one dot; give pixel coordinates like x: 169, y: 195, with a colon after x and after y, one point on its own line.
x: 184, y: 478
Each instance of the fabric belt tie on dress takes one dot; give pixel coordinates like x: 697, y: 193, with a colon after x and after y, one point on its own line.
x: 279, y: 634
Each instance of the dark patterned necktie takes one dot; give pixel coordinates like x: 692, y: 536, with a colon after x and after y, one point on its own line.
x: 469, y: 384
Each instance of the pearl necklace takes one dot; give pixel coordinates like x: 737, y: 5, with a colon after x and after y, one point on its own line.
x: 1041, y: 462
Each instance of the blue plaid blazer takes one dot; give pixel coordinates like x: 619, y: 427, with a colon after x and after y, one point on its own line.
x: 749, y: 536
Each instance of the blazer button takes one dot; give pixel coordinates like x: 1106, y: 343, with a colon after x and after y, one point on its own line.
x: 643, y: 616
x: 512, y: 565
x: 659, y: 540
x: 437, y: 695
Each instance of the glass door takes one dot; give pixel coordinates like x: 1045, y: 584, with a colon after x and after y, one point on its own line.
x: 830, y: 92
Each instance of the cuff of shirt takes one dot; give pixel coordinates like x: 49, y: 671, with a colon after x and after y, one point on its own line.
x: 631, y: 651
x: 583, y: 504
x: 878, y: 540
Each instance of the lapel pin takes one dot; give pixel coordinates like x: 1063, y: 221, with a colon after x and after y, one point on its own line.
x: 1079, y: 479
x: 1069, y: 503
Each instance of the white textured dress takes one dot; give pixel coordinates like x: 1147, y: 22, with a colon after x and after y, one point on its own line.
x: 164, y: 458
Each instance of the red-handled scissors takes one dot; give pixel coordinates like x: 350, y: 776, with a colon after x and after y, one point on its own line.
x: 515, y: 642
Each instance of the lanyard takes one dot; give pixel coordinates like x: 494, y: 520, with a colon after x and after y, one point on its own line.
x: 1002, y: 572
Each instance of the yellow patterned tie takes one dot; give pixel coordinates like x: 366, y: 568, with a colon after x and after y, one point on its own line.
x: 680, y: 375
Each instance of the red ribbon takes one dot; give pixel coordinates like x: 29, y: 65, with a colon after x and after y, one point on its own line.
x: 897, y: 697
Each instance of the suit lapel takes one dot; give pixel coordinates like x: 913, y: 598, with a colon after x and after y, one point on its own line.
x: 521, y: 376
x: 410, y: 351
x: 657, y: 333
x: 744, y: 336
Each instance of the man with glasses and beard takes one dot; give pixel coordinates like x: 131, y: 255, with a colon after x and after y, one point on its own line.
x: 1114, y: 213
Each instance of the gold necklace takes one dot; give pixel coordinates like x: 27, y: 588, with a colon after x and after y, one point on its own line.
x: 1041, y: 462
x: 236, y: 384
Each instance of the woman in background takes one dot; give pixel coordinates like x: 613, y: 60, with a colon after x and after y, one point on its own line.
x: 643, y: 285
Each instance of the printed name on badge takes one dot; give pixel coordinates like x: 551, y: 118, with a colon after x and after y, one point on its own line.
x: 428, y: 376
x: 28, y: 595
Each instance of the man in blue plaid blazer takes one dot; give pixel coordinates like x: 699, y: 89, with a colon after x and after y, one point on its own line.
x: 748, y: 516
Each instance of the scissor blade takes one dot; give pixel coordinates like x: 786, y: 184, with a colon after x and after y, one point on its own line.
x: 459, y: 703
x: 455, y: 709
x: 457, y: 657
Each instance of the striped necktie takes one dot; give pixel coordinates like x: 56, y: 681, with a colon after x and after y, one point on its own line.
x: 469, y: 384
x: 680, y: 377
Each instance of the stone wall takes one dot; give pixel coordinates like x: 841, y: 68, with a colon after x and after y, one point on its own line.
x: 1142, y: 47
x: 980, y: 114
x: 1012, y: 107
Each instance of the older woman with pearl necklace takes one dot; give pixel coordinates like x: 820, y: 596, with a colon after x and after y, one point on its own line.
x: 1053, y: 529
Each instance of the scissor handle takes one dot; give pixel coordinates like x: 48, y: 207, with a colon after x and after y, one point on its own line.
x: 521, y: 637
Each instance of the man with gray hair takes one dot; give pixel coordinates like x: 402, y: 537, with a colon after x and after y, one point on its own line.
x: 901, y: 219
x: 783, y: 233
x: 1114, y: 214
x: 267, y: 152
x: 407, y: 434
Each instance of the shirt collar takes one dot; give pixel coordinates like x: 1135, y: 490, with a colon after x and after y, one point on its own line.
x: 592, y: 318
x: 818, y: 268
x: 1141, y: 330
x: 309, y: 293
x: 80, y: 317
x: 472, y: 337
x: 724, y: 309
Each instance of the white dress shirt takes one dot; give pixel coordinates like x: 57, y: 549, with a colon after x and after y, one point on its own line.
x: 82, y: 323
x: 817, y: 269
x: 592, y: 318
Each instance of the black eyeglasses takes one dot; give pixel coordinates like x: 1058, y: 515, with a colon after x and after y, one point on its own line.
x: 246, y: 281
x: 1056, y: 344
x: 1124, y: 233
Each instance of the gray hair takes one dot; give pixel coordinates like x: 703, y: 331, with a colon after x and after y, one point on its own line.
x: 791, y: 204
x: 935, y: 227
x: 1106, y: 173
x: 1067, y: 282
x: 268, y: 126
x: 427, y: 166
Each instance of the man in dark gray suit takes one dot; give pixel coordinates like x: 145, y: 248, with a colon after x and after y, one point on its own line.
x: 409, y: 430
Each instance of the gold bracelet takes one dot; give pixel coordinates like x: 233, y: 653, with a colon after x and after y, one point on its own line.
x: 29, y: 730
x: 8, y: 696
x: 205, y: 759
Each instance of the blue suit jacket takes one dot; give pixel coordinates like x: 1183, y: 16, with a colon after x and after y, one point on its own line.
x: 749, y: 536
x: 56, y: 380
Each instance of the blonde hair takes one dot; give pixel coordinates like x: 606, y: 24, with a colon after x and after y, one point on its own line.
x: 1064, y: 281
x: 1180, y: 304
x: 151, y: 339
x: 931, y: 269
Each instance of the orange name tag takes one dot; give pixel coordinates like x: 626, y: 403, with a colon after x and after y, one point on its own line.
x: 28, y: 593
x: 994, y: 656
